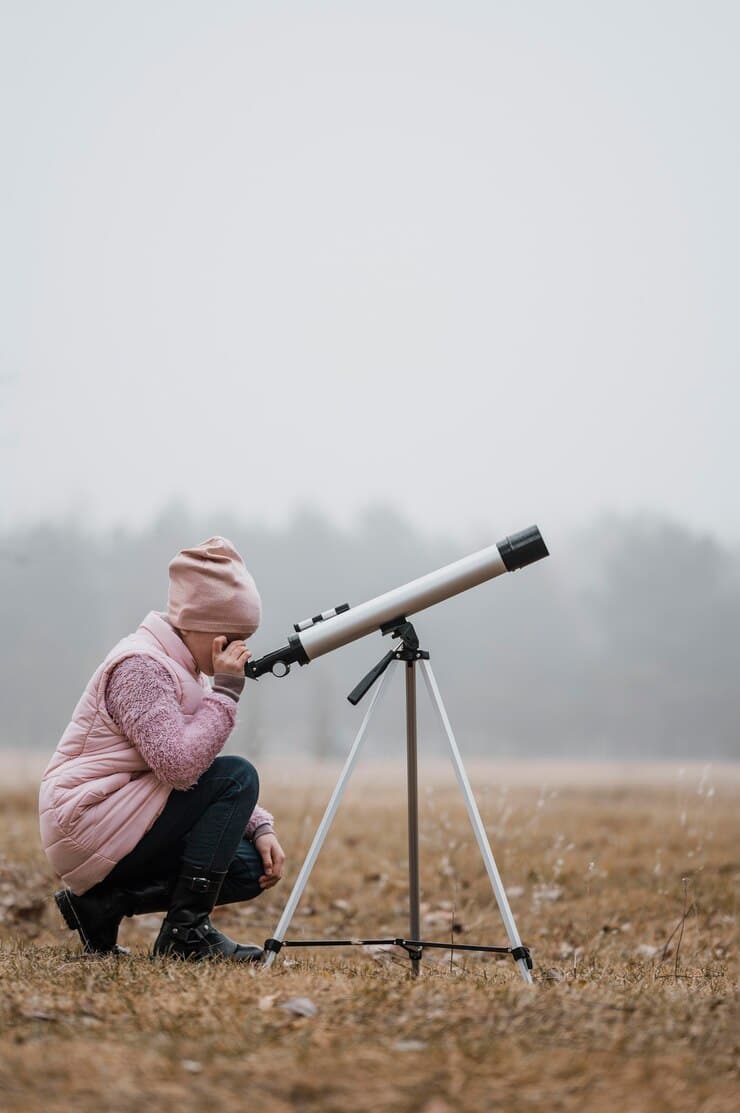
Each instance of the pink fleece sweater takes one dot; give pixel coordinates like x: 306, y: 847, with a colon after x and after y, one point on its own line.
x: 141, y: 699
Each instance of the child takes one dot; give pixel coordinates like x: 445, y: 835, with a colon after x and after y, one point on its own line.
x: 137, y: 812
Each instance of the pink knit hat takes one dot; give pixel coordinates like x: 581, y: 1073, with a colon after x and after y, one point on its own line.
x: 211, y: 590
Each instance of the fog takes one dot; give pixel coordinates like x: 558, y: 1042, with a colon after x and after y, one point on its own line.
x: 623, y: 643
x: 365, y: 287
x: 474, y: 260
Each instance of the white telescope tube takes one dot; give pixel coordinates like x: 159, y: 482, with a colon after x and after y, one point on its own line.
x: 406, y: 600
x: 347, y: 624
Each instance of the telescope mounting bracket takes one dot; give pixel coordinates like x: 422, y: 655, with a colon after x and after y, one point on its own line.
x: 408, y: 651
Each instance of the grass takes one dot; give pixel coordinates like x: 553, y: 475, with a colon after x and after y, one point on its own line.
x: 624, y: 892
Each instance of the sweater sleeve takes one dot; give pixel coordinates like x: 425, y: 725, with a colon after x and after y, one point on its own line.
x: 260, y: 822
x: 141, y: 698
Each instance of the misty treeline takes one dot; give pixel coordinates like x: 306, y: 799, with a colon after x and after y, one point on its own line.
x: 622, y: 643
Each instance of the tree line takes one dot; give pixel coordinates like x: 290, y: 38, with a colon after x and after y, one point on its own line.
x: 622, y: 644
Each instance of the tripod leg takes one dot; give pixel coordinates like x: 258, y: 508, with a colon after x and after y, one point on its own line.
x: 476, y: 821
x: 413, y: 809
x: 323, y: 828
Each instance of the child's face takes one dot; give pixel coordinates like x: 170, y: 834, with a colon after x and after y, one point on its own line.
x: 200, y: 644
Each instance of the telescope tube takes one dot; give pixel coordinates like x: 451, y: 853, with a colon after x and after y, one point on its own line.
x: 347, y: 625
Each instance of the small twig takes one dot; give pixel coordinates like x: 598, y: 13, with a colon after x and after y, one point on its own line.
x: 678, y: 928
x: 666, y: 945
x: 452, y: 923
x: 683, y: 921
x: 687, y: 977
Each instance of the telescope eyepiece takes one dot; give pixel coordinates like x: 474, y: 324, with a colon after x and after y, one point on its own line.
x: 522, y: 548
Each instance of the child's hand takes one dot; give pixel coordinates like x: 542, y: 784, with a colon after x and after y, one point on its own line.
x: 273, y: 859
x: 231, y: 659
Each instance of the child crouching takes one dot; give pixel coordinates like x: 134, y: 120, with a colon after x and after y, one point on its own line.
x: 137, y: 811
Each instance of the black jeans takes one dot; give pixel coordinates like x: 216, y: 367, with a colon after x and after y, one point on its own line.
x: 202, y: 829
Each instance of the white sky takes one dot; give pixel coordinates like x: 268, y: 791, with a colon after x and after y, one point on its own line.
x: 478, y: 259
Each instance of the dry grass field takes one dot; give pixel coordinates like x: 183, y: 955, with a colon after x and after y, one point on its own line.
x: 624, y: 888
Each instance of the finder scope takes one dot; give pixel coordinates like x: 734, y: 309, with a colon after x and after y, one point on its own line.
x: 340, y: 625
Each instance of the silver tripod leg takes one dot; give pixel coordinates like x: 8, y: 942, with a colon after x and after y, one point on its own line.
x: 323, y: 828
x: 476, y: 821
x: 412, y: 778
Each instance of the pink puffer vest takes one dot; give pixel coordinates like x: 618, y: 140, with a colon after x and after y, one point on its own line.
x: 98, y: 796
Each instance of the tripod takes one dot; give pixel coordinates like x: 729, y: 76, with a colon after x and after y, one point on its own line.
x: 407, y: 651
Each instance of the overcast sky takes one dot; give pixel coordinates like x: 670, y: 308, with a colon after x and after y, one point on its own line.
x: 478, y: 259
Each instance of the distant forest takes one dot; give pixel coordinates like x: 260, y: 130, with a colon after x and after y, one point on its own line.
x: 623, y: 644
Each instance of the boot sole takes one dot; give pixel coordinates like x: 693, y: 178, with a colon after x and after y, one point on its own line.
x: 217, y: 956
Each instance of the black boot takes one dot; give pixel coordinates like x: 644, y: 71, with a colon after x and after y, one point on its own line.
x: 187, y: 931
x: 96, y: 916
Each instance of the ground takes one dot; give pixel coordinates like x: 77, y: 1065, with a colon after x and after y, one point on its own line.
x: 623, y: 883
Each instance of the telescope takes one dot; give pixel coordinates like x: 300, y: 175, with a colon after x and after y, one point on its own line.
x: 389, y: 613
x: 340, y: 625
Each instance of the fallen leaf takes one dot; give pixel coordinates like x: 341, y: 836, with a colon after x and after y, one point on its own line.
x: 300, y: 1006
x: 547, y: 892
